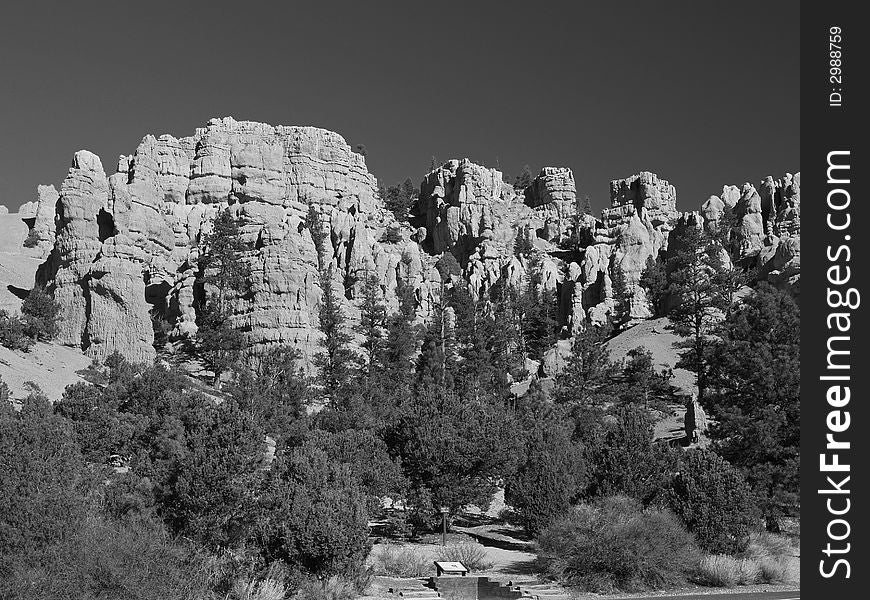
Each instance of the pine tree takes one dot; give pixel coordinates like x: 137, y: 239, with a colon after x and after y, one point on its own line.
x: 523, y: 179
x: 401, y: 341
x: 275, y: 393
x: 550, y: 474
x: 372, y: 326
x: 642, y: 382
x: 626, y: 461
x: 622, y: 298
x: 40, y: 313
x: 540, y: 310
x: 314, y: 224
x: 698, y: 299
x: 224, y: 276
x: 654, y: 281
x: 212, y: 493
x: 336, y: 361
x: 588, y: 382
x: 43, y: 482
x: 754, y: 399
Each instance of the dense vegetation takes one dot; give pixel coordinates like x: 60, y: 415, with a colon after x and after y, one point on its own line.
x: 163, y: 490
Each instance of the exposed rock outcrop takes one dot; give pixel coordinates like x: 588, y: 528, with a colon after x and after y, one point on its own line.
x: 124, y: 248
x: 126, y: 245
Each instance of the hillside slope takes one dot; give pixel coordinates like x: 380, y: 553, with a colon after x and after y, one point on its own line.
x: 50, y: 366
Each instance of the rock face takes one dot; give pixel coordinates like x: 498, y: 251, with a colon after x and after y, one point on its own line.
x: 635, y: 228
x: 39, y: 217
x: 122, y: 249
x: 126, y: 245
x: 764, y: 226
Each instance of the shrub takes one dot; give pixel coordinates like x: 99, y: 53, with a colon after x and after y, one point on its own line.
x: 108, y: 559
x: 616, y: 545
x: 472, y: 555
x: 269, y: 588
x: 13, y: 332
x: 315, y: 514
x: 43, y: 481
x: 40, y: 314
x: 775, y: 557
x: 549, y: 475
x: 721, y: 570
x: 31, y: 240
x: 402, y: 561
x: 713, y: 500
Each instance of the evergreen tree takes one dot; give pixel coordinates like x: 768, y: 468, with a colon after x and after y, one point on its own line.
x: 540, y: 310
x: 40, y: 314
x: 588, y: 383
x: 313, y: 514
x: 622, y: 298
x: 399, y: 198
x: 453, y: 448
x: 713, y: 499
x: 372, y: 326
x: 550, y: 474
x: 642, y: 382
x: 275, y: 394
x: 480, y: 368
x: 698, y: 300
x: 211, y: 494
x: 224, y: 276
x: 314, y: 224
x: 337, y: 361
x: 754, y: 403
x: 367, y: 456
x: 523, y: 179
x: 654, y: 281
x: 401, y: 342
x: 43, y: 483
x: 627, y: 462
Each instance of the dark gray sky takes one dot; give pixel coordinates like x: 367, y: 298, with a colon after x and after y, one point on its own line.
x: 702, y: 93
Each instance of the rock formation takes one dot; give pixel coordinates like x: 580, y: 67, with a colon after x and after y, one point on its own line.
x: 122, y: 249
x: 126, y: 245
x: 764, y: 225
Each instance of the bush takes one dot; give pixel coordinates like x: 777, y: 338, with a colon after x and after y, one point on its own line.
x: 472, y: 555
x: 721, y: 570
x: 13, y: 332
x: 31, y: 240
x: 402, y: 561
x: 775, y: 557
x: 550, y: 474
x: 269, y: 588
x: 315, y: 515
x: 713, y: 500
x: 616, y: 545
x: 40, y: 314
x: 43, y: 481
x: 108, y: 559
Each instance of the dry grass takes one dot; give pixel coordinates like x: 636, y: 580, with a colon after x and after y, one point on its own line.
x: 267, y: 589
x: 769, y: 559
x: 722, y: 570
x: 333, y: 588
x: 402, y: 561
x: 775, y: 557
x: 472, y: 555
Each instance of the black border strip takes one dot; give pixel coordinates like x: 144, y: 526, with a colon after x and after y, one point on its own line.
x: 827, y: 127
